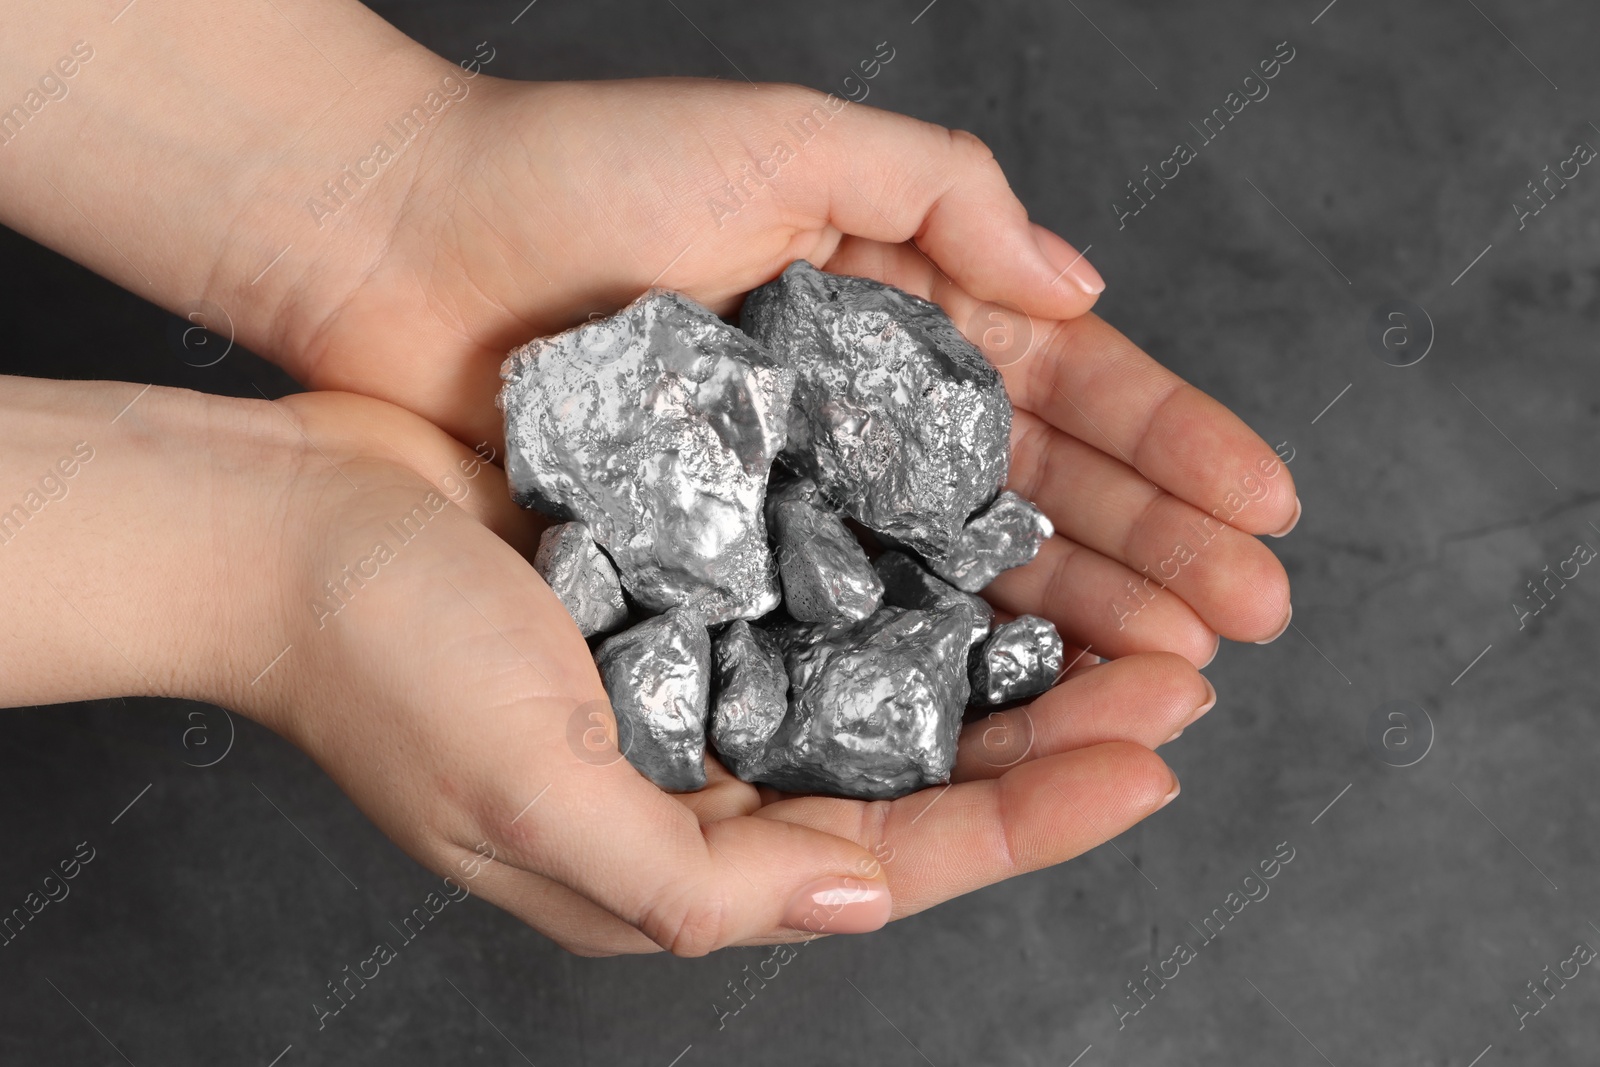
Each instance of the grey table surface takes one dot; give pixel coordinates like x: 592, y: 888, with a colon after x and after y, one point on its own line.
x: 1420, y: 899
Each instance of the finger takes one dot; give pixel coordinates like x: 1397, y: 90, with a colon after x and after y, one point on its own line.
x: 891, y: 178
x: 724, y: 795
x: 640, y: 854
x: 1141, y: 699
x: 1099, y: 603
x: 940, y: 843
x: 1093, y: 383
x: 1086, y: 379
x: 569, y: 919
x: 1232, y: 581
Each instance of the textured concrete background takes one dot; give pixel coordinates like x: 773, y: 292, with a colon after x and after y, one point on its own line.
x: 1415, y: 907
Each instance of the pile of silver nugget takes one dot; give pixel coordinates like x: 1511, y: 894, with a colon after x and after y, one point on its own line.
x: 734, y: 593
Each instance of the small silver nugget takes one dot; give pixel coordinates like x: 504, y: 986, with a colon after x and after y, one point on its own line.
x: 1021, y: 659
x: 582, y: 577
x: 658, y: 676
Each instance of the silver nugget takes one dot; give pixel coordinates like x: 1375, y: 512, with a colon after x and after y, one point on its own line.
x: 897, y: 417
x: 1021, y: 659
x: 656, y: 428
x: 874, y: 710
x: 826, y: 575
x: 752, y: 695
x: 1006, y: 534
x: 582, y: 577
x: 908, y: 584
x: 658, y: 676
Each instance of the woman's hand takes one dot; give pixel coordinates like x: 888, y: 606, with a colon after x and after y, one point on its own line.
x: 540, y: 204
x: 447, y: 692
x: 349, y: 575
x: 380, y: 220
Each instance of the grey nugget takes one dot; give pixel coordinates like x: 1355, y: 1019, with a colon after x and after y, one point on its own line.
x: 656, y: 428
x: 752, y: 695
x: 1021, y: 659
x: 908, y: 584
x: 825, y: 572
x: 897, y: 417
x: 874, y: 710
x: 1006, y: 534
x: 658, y: 676
x: 582, y: 577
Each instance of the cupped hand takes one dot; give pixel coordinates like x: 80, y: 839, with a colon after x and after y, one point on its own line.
x: 442, y: 685
x: 536, y: 205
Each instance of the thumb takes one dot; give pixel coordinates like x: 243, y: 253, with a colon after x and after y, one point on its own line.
x: 643, y: 856
x: 892, y: 178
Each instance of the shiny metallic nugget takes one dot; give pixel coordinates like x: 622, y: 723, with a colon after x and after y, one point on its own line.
x: 825, y: 572
x: 658, y: 676
x: 1006, y: 534
x: 752, y: 695
x: 582, y: 578
x: 874, y: 709
x: 656, y: 428
x: 1021, y: 659
x: 897, y: 417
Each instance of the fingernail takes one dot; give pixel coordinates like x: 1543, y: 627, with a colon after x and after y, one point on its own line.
x: 1211, y: 702
x: 1214, y: 650
x: 1281, y: 630
x: 1170, y: 797
x: 1294, y: 520
x: 839, y: 906
x: 1067, y: 262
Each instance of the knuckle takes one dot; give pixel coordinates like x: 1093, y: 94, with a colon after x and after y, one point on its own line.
x: 687, y: 921
x: 970, y: 149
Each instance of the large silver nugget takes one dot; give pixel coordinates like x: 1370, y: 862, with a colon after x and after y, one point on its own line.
x: 875, y: 710
x: 655, y: 427
x: 897, y: 417
x: 1021, y: 659
x: 1006, y: 534
x: 658, y: 676
x: 582, y: 577
x: 826, y: 575
x: 908, y: 584
x: 752, y: 695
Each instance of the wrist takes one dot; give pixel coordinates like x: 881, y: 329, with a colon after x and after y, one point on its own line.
x: 198, y: 135
x: 135, y: 530
x: 325, y: 202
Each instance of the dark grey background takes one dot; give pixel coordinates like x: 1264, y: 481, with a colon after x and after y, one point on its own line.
x: 1416, y: 907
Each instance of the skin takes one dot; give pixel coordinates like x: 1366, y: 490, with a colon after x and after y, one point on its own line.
x: 445, y: 695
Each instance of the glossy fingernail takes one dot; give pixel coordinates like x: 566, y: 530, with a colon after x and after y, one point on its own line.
x: 1294, y: 520
x: 1170, y: 797
x: 839, y: 906
x: 1174, y: 737
x: 1067, y: 262
x: 1281, y: 630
